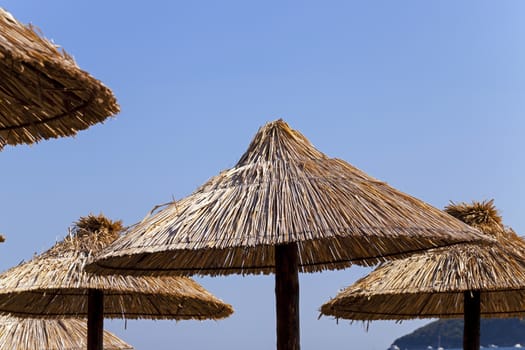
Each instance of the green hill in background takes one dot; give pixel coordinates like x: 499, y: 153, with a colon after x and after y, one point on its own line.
x: 449, y: 334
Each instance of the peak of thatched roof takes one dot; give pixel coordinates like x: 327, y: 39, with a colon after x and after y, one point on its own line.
x: 282, y: 191
x: 277, y: 141
x: 89, y: 235
x: 98, y: 225
x: 96, y: 232
x: 44, y: 93
x: 432, y: 284
x: 482, y: 215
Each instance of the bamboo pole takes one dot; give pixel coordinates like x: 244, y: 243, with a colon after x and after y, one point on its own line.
x: 287, y: 296
x: 95, y: 319
x: 472, y: 317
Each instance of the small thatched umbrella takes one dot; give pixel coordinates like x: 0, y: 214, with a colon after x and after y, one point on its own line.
x: 61, y: 334
x: 460, y: 281
x: 43, y: 93
x: 54, y: 284
x: 284, y: 208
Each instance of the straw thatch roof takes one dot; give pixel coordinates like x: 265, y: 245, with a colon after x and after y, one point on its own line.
x: 43, y: 93
x: 63, y: 334
x: 55, y: 284
x: 282, y: 190
x: 433, y: 284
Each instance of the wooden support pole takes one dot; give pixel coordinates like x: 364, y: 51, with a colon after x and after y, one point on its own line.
x: 287, y: 296
x: 472, y: 317
x: 95, y: 319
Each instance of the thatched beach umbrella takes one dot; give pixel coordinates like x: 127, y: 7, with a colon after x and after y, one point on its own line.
x: 461, y: 281
x: 43, y: 93
x: 54, y: 284
x: 284, y: 207
x: 60, y: 334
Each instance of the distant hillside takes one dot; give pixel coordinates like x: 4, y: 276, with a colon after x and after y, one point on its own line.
x: 502, y: 332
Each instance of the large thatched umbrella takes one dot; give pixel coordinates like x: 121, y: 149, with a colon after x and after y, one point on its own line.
x: 285, y: 207
x: 461, y: 281
x: 43, y: 93
x: 54, y: 284
x: 60, y: 334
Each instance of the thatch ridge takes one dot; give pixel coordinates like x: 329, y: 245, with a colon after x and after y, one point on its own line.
x: 44, y: 94
x: 88, y: 235
x: 482, y: 215
x: 57, y: 334
x: 33, y: 288
x: 282, y: 190
x: 432, y: 284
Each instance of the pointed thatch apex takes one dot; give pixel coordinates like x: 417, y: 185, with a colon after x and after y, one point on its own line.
x: 481, y: 215
x: 97, y: 227
x: 97, y: 224
x: 476, y: 214
x: 89, y: 235
x: 278, y: 141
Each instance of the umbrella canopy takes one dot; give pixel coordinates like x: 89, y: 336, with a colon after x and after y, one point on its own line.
x: 44, y: 94
x: 281, y: 191
x: 37, y: 334
x: 55, y: 284
x: 432, y: 284
x: 435, y: 284
x: 285, y: 207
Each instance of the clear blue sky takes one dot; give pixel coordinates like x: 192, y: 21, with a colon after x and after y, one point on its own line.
x: 426, y: 95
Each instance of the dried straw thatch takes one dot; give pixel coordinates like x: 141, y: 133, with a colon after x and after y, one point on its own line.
x: 282, y: 190
x: 43, y: 93
x: 63, y: 334
x: 433, y: 284
x: 55, y: 284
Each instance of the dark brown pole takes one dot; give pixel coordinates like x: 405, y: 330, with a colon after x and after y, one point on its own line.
x: 472, y: 317
x: 95, y: 319
x: 287, y: 296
